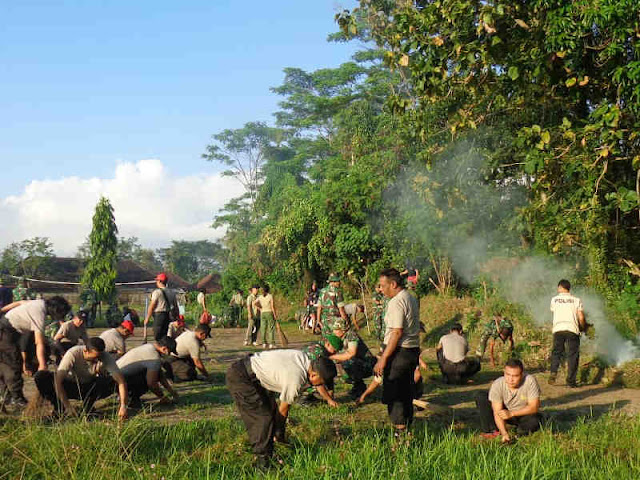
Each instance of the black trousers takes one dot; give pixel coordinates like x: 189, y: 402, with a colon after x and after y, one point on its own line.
x: 60, y: 348
x: 10, y: 362
x: 89, y: 392
x: 525, y: 425
x: 459, y: 372
x: 256, y: 406
x: 180, y: 369
x: 256, y: 328
x: 398, y: 385
x: 137, y: 385
x: 572, y: 343
x: 161, y: 322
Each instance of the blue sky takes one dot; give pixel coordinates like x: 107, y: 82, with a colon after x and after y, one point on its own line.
x: 86, y: 85
x: 119, y: 98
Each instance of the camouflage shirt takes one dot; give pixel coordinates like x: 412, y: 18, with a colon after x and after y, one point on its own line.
x: 21, y: 293
x: 490, y: 326
x: 315, y: 351
x: 330, y: 300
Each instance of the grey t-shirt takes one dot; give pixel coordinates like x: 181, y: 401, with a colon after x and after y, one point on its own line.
x: 403, y: 312
x: 71, y: 334
x: 161, y: 304
x: 351, y: 309
x: 188, y: 345
x: 139, y: 358
x: 282, y: 371
x: 28, y: 317
x: 75, y: 366
x: 113, y: 341
x: 454, y: 347
x: 515, y: 400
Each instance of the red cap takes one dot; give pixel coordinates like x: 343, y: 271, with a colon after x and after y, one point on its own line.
x: 127, y: 325
x: 162, y: 277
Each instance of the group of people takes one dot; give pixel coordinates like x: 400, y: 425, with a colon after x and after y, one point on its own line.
x: 91, y: 368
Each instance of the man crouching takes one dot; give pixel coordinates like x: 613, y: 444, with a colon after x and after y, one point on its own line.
x: 513, y: 399
x: 80, y: 376
x: 250, y: 381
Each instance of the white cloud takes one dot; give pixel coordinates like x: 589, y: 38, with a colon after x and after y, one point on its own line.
x: 149, y: 202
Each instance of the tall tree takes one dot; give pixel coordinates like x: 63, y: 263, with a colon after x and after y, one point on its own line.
x: 28, y: 257
x: 193, y: 260
x: 100, y: 272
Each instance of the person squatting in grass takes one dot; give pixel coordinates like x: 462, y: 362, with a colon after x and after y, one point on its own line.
x: 141, y: 367
x: 268, y: 317
x: 115, y: 339
x: 568, y: 322
x: 22, y: 324
x: 513, y: 399
x: 70, y: 333
x: 399, y: 358
x: 162, y: 301
x: 498, y: 327
x: 81, y: 375
x: 250, y: 381
x: 350, y: 351
x: 182, y: 366
x: 177, y: 328
x: 451, y: 351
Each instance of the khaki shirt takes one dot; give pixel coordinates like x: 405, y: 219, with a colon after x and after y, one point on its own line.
x: 71, y: 334
x: 139, y: 358
x: 75, y: 366
x: 28, y: 317
x: 515, y: 400
x: 403, y: 312
x: 188, y: 345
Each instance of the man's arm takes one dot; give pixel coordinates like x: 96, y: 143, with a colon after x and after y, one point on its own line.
x: 392, y: 344
x: 154, y: 379
x: 200, y: 366
x: 123, y: 393
x: 324, y: 393
x: 13, y: 305
x: 581, y: 320
x: 41, y: 350
x: 344, y: 356
x: 60, y: 392
x: 498, y: 408
x: 532, y: 408
x: 152, y: 307
x: 281, y: 421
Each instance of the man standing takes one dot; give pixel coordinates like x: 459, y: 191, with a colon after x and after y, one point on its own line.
x: 141, y: 369
x: 70, y: 333
x: 188, y: 345
x: 379, y: 310
x: 254, y: 319
x: 513, y: 399
x: 401, y: 351
x: 568, y: 322
x: 21, y: 321
x: 451, y: 351
x: 250, y: 380
x: 6, y: 296
x: 89, y: 301
x: 330, y: 305
x: 115, y: 338
x: 163, y: 301
x: 236, y: 308
x: 80, y: 376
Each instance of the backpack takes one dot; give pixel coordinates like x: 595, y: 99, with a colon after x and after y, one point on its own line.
x: 174, y: 311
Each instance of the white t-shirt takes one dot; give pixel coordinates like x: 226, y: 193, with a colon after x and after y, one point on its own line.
x: 282, y: 371
x: 113, y: 341
x: 28, y: 317
x: 403, y: 312
x: 201, y: 300
x: 565, y: 308
x: 188, y: 345
x: 75, y: 366
x: 454, y: 347
x: 139, y: 358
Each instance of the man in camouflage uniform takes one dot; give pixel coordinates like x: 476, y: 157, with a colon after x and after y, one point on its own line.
x: 21, y: 292
x: 379, y: 309
x: 498, y: 327
x: 314, y: 352
x: 89, y: 303
x: 330, y: 305
x: 352, y: 353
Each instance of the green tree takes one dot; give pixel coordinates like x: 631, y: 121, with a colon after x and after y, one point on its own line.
x: 28, y: 257
x: 100, y: 271
x: 193, y: 260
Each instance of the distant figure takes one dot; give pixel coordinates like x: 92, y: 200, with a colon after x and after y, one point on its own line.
x: 201, y: 299
x: 311, y: 304
x: 379, y: 310
x: 513, y: 399
x: 6, y: 295
x: 352, y: 309
x: 568, y: 322
x: 498, y: 327
x: 236, y: 303
x: 452, y: 349
x: 163, y: 300
x: 412, y: 276
x: 177, y: 328
x: 268, y: 317
x: 253, y: 317
x: 21, y: 292
x: 89, y: 303
x: 330, y: 304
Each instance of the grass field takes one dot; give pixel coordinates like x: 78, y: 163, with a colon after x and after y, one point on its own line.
x: 587, y: 437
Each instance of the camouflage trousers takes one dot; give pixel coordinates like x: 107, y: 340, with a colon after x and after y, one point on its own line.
x: 378, y: 327
x: 358, y: 369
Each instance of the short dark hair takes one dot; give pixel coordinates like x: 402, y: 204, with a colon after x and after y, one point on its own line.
x: 96, y: 343
x: 57, y: 307
x: 203, y: 327
x: 506, y: 332
x: 457, y: 327
x: 203, y: 290
x: 266, y: 288
x: 393, y: 275
x: 564, y: 284
x: 515, y: 363
x: 325, y: 367
x: 168, y: 342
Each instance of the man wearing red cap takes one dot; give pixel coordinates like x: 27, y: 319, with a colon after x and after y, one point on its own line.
x: 115, y: 338
x: 177, y: 328
x: 163, y: 300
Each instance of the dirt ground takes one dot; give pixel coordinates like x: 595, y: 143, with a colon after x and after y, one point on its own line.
x: 200, y: 400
